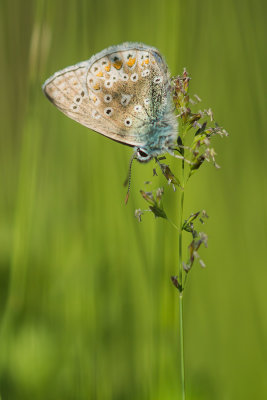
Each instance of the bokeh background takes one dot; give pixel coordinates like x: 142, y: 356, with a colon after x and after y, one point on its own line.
x: 87, y: 309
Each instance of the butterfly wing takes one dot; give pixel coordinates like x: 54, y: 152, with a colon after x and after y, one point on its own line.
x: 119, y: 92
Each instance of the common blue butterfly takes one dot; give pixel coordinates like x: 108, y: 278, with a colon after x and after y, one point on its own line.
x: 124, y: 93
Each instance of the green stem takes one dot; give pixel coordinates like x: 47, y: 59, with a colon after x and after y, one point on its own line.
x: 182, y: 345
x: 181, y: 285
x: 181, y: 240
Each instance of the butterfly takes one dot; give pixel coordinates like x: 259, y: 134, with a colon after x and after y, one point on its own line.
x: 124, y: 93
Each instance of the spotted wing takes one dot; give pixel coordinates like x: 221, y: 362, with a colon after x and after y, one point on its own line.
x: 119, y: 92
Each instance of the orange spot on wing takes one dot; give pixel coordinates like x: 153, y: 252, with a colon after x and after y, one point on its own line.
x: 96, y: 86
x: 117, y: 64
x: 107, y: 68
x: 131, y: 61
x: 147, y: 61
x: 94, y: 99
x: 100, y: 74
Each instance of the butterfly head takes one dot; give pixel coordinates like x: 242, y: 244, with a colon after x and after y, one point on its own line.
x: 142, y: 155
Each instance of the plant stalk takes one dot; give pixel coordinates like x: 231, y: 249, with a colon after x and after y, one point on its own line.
x: 182, y: 345
x: 181, y: 240
x: 181, y: 289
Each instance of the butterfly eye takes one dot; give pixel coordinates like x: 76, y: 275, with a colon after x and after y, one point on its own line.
x: 142, y: 155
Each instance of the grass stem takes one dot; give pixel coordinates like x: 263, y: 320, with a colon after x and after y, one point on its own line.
x: 182, y: 345
x: 181, y: 285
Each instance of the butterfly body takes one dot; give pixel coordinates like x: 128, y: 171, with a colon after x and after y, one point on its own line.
x: 123, y: 93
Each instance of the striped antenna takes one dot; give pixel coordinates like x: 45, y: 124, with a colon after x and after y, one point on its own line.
x: 128, y: 179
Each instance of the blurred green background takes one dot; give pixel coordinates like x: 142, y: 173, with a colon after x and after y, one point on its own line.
x: 87, y: 309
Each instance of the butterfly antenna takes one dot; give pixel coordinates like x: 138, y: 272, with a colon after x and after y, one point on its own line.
x: 128, y: 179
